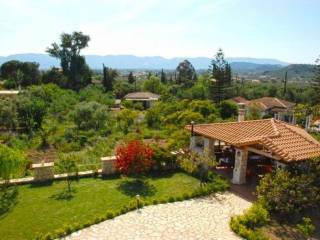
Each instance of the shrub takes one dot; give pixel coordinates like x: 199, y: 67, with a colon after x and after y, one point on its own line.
x: 247, y: 225
x: 306, y: 227
x: 134, y: 158
x: 285, y: 193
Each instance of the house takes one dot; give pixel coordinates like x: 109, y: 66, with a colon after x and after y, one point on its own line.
x: 248, y: 145
x: 146, y: 98
x: 270, y: 106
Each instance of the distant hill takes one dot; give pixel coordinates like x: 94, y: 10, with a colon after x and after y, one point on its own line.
x: 134, y: 62
x: 296, y: 72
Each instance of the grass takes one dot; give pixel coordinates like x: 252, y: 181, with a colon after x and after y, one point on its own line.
x: 39, y: 211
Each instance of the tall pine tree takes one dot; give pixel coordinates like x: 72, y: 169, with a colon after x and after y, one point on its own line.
x: 221, y: 74
x: 316, y: 81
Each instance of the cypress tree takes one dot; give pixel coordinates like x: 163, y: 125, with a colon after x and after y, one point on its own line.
x: 131, y: 78
x: 163, y: 77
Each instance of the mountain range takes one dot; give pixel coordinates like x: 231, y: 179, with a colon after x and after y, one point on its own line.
x: 156, y: 62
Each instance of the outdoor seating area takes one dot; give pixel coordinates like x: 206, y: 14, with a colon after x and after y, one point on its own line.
x: 249, y: 149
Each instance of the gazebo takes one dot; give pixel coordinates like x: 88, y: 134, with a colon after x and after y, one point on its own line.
x: 279, y: 141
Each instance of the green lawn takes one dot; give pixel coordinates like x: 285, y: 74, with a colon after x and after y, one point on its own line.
x: 39, y: 210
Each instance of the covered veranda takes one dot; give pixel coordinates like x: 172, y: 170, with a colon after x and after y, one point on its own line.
x: 252, y: 148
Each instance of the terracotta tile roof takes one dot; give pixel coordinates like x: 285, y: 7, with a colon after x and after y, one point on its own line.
x: 266, y: 103
x: 288, y: 142
x: 240, y: 99
x: 141, y: 96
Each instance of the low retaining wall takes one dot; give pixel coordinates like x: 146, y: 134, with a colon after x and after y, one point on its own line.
x: 45, y: 172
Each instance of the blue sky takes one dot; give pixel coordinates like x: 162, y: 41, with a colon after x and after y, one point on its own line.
x: 284, y: 29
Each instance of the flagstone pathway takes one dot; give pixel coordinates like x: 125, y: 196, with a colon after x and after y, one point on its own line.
x: 203, y: 218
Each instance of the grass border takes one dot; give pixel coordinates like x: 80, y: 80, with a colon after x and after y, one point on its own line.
x: 216, y: 186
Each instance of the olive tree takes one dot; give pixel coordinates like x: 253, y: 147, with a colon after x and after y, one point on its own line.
x: 12, y: 164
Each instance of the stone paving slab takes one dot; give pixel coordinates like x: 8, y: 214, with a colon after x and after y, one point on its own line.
x: 198, y: 219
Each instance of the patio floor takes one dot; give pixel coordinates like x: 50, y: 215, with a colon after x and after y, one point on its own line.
x: 202, y: 218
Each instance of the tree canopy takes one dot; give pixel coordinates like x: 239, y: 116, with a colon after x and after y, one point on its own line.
x: 73, y: 65
x: 221, y: 81
x: 186, y: 74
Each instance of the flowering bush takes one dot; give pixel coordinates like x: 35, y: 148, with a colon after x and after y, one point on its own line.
x: 134, y: 158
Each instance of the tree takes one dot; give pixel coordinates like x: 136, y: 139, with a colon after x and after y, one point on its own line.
x: 228, y: 109
x: 73, y: 65
x: 121, y: 88
x: 8, y: 114
x: 153, y: 84
x: 186, y: 74
x: 90, y: 115
x: 68, y: 164
x: 163, y: 77
x: 12, y: 164
x: 134, y: 158
x: 131, y: 78
x: 109, y: 76
x: 21, y: 73
x: 221, y: 82
x: 316, y: 81
x: 55, y: 76
x: 285, y: 192
x: 31, y: 111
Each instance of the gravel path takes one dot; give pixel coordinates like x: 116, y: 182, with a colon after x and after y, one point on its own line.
x: 203, y: 218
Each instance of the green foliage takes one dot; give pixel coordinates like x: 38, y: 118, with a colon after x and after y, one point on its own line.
x: 12, y: 163
x: 316, y: 80
x: 164, y: 159
x: 285, y: 193
x: 131, y: 78
x: 8, y: 114
x: 186, y: 74
x: 228, y: 109
x: 121, y: 88
x: 253, y: 113
x: 55, y: 76
x: 31, y: 111
x: 247, y: 225
x: 93, y: 93
x: 125, y: 119
x: 90, y: 115
x: 73, y: 65
x: 306, y: 227
x: 68, y: 163
x: 109, y: 76
x: 221, y: 78
x: 20, y: 73
x: 154, y: 85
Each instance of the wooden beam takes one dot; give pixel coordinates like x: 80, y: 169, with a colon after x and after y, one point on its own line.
x: 260, y: 152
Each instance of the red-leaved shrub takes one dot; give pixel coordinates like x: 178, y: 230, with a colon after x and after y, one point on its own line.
x: 134, y: 158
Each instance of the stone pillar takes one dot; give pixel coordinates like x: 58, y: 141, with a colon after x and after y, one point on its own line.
x: 240, y: 166
x: 43, y: 171
x: 108, y: 165
x: 241, y: 112
x: 208, y: 147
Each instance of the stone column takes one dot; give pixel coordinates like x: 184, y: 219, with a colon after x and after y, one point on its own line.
x: 43, y: 171
x: 208, y: 147
x: 108, y: 165
x: 240, y: 166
